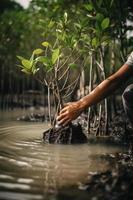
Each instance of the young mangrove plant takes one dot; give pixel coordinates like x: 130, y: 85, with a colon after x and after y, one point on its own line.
x: 54, y: 66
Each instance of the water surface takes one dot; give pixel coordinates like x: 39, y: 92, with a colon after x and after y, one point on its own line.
x: 30, y: 169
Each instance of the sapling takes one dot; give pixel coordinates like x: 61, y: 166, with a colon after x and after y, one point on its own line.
x: 52, y: 68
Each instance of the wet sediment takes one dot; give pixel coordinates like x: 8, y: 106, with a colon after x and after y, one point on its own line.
x: 71, y: 134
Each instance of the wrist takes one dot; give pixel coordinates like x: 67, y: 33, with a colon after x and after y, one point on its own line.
x: 81, y: 105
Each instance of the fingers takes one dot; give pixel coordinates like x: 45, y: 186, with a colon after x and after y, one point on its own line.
x: 65, y: 121
x: 61, y: 116
x: 63, y: 111
x: 65, y: 106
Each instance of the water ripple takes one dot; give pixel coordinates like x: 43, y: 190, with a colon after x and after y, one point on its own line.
x: 27, y: 165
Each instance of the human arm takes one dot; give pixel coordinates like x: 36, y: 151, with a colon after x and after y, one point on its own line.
x: 72, y: 110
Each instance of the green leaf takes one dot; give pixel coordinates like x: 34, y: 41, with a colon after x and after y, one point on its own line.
x: 38, y: 51
x: 49, y: 68
x: 35, y: 71
x: 45, y: 44
x: 90, y: 16
x: 19, y: 66
x: 20, y: 58
x: 65, y: 17
x: 105, y: 23
x: 77, y: 25
x: 89, y: 7
x: 32, y: 57
x: 42, y: 59
x: 72, y: 65
x: 26, y: 71
x: 98, y: 27
x: 27, y: 63
x: 99, y: 17
x: 95, y: 42
x: 51, y: 24
x: 33, y: 66
x: 55, y: 55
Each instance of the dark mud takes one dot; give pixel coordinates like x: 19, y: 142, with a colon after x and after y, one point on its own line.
x: 72, y: 134
x: 113, y: 184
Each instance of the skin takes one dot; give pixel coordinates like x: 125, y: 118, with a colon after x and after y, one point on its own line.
x: 73, y: 109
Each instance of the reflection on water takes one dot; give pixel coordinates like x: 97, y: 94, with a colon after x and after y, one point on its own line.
x: 30, y: 169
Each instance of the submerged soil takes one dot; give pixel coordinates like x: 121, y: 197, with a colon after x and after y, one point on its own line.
x: 72, y: 134
x: 113, y: 184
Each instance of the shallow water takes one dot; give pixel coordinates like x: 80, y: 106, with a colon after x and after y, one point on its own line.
x: 30, y: 169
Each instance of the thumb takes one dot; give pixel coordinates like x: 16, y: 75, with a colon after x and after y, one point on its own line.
x: 64, y: 108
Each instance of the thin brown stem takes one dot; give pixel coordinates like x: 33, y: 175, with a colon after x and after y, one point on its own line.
x: 68, y: 94
x: 90, y: 88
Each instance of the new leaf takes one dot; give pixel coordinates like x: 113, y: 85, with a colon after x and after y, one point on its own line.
x: 55, y: 56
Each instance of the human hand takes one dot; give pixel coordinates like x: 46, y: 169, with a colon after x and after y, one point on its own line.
x: 70, y: 112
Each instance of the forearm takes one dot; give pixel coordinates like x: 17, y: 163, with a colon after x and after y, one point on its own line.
x: 107, y: 87
x: 99, y: 93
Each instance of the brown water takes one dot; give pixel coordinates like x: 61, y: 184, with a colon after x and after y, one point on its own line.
x: 30, y: 169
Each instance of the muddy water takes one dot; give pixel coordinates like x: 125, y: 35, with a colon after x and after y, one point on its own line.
x: 30, y: 169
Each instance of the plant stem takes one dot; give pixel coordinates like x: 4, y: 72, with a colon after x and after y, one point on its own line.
x: 105, y: 101
x: 49, y: 106
x: 90, y: 88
